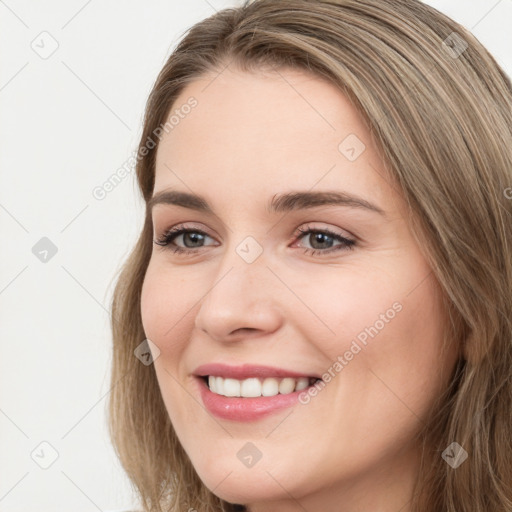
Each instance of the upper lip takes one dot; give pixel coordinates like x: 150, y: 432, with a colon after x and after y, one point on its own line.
x: 246, y: 371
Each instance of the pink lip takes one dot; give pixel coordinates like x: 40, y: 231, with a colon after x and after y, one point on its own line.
x: 246, y: 371
x: 244, y: 409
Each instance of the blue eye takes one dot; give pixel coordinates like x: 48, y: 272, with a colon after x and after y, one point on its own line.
x: 193, y: 239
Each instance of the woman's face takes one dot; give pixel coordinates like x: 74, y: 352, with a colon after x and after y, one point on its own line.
x: 283, y: 282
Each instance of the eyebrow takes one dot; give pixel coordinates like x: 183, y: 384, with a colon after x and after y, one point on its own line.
x: 279, y: 203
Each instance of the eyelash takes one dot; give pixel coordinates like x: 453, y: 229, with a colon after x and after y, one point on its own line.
x: 166, y: 240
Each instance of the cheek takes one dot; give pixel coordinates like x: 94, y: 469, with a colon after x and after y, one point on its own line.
x: 166, y: 308
x: 166, y: 323
x: 388, y: 328
x: 404, y: 358
x: 356, y: 312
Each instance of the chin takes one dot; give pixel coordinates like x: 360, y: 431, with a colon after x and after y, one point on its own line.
x: 248, y: 489
x: 246, y: 485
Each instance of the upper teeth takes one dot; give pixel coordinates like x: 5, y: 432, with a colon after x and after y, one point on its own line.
x: 254, y: 387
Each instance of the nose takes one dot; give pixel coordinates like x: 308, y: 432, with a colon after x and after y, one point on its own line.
x: 242, y: 301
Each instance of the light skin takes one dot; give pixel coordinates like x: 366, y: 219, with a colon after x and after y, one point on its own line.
x: 350, y: 448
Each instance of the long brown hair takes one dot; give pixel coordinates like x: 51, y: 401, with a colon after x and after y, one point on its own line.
x: 440, y: 108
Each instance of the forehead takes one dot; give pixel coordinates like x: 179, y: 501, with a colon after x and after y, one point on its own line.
x: 263, y: 132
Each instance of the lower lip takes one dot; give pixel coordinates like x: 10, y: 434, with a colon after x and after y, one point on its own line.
x: 245, y: 409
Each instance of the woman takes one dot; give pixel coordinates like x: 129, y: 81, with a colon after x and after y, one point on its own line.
x: 318, y: 312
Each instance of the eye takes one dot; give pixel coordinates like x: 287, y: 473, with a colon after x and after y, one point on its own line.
x: 191, y: 237
x: 321, y: 240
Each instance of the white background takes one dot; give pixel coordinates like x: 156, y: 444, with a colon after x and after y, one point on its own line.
x: 67, y: 123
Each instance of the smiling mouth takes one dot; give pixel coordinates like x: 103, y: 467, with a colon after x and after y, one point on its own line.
x: 255, y: 387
